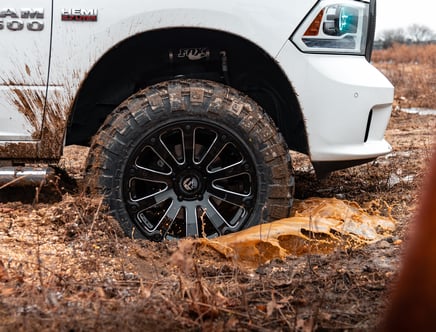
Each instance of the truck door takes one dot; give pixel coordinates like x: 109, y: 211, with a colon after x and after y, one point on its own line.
x: 25, y: 34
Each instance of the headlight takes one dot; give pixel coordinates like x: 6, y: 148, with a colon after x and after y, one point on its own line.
x: 336, y: 26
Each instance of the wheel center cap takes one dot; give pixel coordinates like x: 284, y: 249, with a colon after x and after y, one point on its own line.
x: 190, y: 183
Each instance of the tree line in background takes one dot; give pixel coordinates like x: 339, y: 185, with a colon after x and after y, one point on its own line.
x: 413, y: 34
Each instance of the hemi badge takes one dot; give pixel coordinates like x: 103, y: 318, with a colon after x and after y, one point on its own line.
x: 80, y: 15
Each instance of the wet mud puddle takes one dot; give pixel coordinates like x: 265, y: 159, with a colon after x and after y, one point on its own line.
x: 316, y: 225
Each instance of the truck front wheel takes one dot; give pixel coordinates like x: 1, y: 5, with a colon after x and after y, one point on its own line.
x: 190, y: 158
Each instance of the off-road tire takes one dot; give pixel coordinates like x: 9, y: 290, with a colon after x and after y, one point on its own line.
x: 190, y: 149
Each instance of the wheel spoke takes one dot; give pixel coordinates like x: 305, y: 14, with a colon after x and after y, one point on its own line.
x: 233, y: 198
x: 191, y: 219
x: 237, y: 169
x: 167, y: 223
x: 141, y: 173
x: 212, y: 153
x: 188, y: 143
x: 152, y: 200
x: 204, y: 141
x: 170, y: 216
x: 173, y: 210
x: 164, y: 151
x: 214, y: 217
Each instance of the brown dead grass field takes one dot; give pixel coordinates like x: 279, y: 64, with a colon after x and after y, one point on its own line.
x: 66, y: 266
x: 412, y: 70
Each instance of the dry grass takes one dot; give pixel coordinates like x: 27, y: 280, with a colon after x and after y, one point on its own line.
x: 412, y: 70
x: 65, y: 266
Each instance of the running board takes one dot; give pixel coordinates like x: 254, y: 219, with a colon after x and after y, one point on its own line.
x: 24, y: 176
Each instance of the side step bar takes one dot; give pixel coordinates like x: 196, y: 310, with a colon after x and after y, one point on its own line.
x: 25, y: 176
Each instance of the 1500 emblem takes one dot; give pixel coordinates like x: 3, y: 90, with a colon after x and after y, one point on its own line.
x: 24, y: 18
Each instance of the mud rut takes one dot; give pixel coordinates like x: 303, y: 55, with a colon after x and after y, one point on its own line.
x: 65, y: 264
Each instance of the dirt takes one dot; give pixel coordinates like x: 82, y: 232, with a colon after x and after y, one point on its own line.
x: 66, y: 266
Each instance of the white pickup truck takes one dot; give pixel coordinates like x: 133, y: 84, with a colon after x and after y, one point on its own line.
x: 190, y: 107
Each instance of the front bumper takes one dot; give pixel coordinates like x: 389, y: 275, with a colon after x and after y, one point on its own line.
x: 345, y: 101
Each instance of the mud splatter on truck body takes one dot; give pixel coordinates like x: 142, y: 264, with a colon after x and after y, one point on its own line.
x: 47, y: 123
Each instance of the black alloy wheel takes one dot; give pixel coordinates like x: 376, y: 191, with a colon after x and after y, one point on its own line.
x: 190, y: 178
x: 190, y: 158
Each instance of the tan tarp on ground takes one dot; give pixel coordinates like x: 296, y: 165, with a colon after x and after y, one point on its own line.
x: 317, y: 226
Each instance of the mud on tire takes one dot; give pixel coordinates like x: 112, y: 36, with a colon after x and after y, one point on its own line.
x: 190, y: 158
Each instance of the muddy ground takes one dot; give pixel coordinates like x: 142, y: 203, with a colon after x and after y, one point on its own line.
x: 66, y: 266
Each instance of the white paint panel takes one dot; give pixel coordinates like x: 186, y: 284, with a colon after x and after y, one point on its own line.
x: 337, y: 93
x: 78, y: 45
x: 24, y: 58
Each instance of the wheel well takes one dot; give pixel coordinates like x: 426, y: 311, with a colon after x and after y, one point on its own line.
x: 166, y: 54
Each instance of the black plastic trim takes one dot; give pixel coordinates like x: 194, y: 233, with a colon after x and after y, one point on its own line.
x: 371, y: 29
x: 368, y: 125
x: 324, y: 168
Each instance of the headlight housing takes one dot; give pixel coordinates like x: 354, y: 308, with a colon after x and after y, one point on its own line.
x: 337, y: 26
